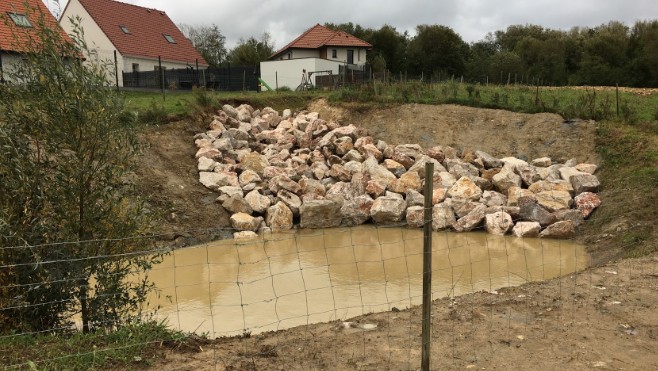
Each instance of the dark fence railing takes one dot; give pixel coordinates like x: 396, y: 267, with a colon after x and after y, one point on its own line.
x: 232, y: 78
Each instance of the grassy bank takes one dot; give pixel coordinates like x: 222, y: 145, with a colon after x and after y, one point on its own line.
x: 570, y: 102
x: 158, y: 108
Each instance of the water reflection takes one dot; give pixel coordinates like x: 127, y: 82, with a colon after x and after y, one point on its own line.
x: 289, y: 279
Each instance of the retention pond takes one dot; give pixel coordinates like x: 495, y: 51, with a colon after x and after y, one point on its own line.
x: 284, y: 280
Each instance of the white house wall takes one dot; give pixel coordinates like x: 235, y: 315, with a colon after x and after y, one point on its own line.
x: 94, y: 37
x: 289, y: 73
x: 341, y: 55
x: 300, y: 53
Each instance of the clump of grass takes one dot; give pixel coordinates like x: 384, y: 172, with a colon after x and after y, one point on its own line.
x: 133, y: 346
x: 154, y: 114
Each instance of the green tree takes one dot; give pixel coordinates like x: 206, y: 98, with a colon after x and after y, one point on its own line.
x: 209, y: 41
x: 644, y: 53
x: 605, y: 55
x: 252, y: 51
x: 479, y: 58
x: 69, y: 223
x: 389, y: 45
x: 437, y: 49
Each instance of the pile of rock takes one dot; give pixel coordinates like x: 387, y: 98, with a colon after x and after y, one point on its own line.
x: 275, y: 170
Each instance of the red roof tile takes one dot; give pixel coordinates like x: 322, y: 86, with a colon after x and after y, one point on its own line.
x: 18, y: 42
x: 319, y: 36
x: 147, y: 28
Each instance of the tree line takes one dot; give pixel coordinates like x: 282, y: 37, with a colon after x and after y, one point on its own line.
x: 604, y: 55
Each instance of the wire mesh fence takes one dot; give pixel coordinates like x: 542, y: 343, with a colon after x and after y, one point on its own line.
x: 349, y: 298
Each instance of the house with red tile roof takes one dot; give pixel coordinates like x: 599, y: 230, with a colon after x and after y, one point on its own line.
x: 319, y: 50
x: 18, y: 24
x: 322, y: 42
x: 143, y: 39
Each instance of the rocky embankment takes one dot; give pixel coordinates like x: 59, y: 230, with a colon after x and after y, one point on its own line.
x: 273, y: 171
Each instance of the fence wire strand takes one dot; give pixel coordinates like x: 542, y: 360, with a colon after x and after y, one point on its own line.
x: 338, y: 277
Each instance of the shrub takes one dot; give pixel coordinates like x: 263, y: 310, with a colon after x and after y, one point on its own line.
x: 67, y: 218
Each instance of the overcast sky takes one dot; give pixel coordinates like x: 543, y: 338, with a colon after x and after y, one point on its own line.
x: 472, y: 19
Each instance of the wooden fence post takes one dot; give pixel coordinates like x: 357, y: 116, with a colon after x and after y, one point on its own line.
x: 427, y: 269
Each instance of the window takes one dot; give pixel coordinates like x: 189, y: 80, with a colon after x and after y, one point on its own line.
x: 135, y: 67
x: 350, y: 56
x: 334, y: 53
x: 169, y: 38
x: 124, y: 29
x: 20, y: 19
x: 289, y: 55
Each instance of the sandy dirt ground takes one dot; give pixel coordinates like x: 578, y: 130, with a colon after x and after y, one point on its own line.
x: 602, y: 318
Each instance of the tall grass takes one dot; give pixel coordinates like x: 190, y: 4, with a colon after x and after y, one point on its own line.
x: 572, y: 103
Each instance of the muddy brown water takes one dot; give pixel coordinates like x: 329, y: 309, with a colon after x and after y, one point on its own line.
x: 309, y: 276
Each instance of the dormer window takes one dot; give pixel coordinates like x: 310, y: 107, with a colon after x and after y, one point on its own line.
x: 169, y: 39
x: 124, y: 29
x: 20, y: 19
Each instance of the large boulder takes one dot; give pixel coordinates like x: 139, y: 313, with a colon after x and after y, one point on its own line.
x: 542, y: 162
x: 237, y: 204
x: 442, y: 216
x: 554, y: 200
x: 586, y: 202
x: 245, y: 222
x: 356, y: 211
x: 291, y: 200
x: 419, y: 166
x: 408, y: 180
x: 488, y: 160
x: 585, y: 183
x: 414, y: 198
x: 312, y: 186
x: 560, y: 230
x: 515, y: 193
x: 415, y: 216
x: 206, y: 164
x: 526, y: 229
x: 388, y: 210
x: 471, y: 220
x: 255, y: 162
x: 279, y: 217
x: 320, y: 214
x: 465, y: 189
x: 498, y: 223
x: 378, y: 173
x: 506, y: 179
x: 257, y: 201
x: 574, y: 215
x: 551, y: 185
x: 216, y: 180
x: 493, y: 198
x: 531, y: 211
